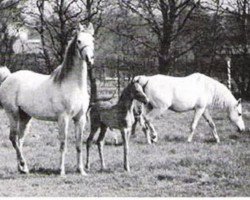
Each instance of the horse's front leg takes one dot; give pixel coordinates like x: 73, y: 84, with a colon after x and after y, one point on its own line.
x: 63, y: 123
x: 79, y: 124
x: 210, y: 121
x: 197, y: 116
x: 125, y: 136
x: 148, y: 118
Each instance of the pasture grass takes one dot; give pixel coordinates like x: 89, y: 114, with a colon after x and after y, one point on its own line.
x: 172, y: 167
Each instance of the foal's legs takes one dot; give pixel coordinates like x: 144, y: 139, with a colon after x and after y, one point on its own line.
x: 17, y: 131
x: 125, y: 136
x: 209, y: 119
x: 63, y: 123
x: 80, y: 124
x: 134, y: 126
x: 197, y: 116
x: 100, y: 143
x: 94, y: 128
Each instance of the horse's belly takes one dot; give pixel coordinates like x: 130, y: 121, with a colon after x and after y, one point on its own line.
x: 40, y: 109
x: 182, y: 106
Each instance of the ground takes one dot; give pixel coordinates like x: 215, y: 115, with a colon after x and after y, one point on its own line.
x: 172, y: 167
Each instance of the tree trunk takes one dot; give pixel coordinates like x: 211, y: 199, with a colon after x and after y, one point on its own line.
x: 164, y: 64
x: 164, y: 54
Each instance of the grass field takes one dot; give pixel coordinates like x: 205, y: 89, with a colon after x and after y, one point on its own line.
x: 172, y: 167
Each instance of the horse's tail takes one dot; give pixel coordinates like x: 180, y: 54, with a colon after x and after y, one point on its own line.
x: 4, y: 73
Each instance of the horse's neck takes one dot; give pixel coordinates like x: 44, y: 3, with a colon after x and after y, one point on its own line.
x: 79, y: 73
x: 223, y: 97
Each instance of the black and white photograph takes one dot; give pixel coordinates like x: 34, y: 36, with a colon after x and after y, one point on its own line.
x: 125, y: 98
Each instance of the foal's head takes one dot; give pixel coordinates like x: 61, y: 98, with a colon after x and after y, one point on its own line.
x: 135, y: 91
x: 235, y: 115
x: 85, y: 42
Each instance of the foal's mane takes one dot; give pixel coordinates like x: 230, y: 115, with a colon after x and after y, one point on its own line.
x: 125, y: 93
x: 68, y: 62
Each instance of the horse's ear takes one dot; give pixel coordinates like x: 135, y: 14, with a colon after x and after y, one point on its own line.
x: 144, y: 86
x: 81, y: 27
x: 90, y: 29
x: 136, y: 79
x: 239, y: 101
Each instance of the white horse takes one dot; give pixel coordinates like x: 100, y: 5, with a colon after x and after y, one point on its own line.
x: 195, y: 92
x: 59, y: 97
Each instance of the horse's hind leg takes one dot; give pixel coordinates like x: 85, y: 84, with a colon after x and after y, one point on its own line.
x: 197, y: 116
x: 209, y: 119
x: 18, y: 126
x: 80, y: 124
x: 100, y: 143
x: 149, y: 127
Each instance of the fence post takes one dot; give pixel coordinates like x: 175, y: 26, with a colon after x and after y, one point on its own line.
x: 229, y: 82
x: 118, y: 76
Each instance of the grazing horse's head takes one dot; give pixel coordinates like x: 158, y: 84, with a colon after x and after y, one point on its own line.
x: 135, y: 91
x: 235, y: 115
x: 85, y: 42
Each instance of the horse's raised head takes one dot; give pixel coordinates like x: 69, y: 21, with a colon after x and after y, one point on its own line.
x: 135, y: 90
x: 85, y: 42
x: 235, y: 115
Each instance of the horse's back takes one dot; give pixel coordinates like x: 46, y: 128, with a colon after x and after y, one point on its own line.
x: 24, y: 88
x: 178, y: 93
x: 24, y: 76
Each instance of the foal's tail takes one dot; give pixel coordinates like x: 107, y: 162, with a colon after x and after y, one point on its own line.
x: 4, y: 73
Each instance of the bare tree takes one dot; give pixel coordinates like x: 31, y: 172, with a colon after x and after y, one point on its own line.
x: 166, y: 19
x: 238, y: 28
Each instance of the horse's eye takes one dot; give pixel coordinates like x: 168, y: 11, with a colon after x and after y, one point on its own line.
x: 79, y: 41
x: 239, y: 114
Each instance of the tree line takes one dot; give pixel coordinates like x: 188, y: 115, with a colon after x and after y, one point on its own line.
x: 175, y: 37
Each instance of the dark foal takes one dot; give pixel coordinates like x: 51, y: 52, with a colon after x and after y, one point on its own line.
x: 119, y: 116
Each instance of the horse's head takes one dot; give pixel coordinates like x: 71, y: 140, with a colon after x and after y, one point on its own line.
x: 136, y: 92
x: 235, y: 115
x: 85, y: 42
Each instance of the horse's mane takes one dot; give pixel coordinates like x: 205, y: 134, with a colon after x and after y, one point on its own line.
x: 125, y: 94
x: 221, y: 95
x: 68, y: 62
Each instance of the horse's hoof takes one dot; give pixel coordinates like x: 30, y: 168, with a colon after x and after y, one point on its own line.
x: 82, y: 172
x: 127, y: 169
x: 23, y: 169
x: 63, y: 175
x: 87, y: 167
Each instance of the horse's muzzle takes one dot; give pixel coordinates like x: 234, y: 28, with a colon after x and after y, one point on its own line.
x: 154, y: 139
x: 241, y: 130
